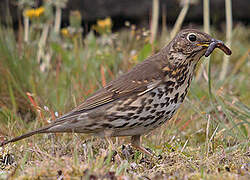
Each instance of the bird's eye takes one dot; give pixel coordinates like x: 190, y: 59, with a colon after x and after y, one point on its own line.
x: 192, y: 37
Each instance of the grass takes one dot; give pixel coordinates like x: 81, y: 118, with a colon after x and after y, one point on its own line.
x: 207, y: 139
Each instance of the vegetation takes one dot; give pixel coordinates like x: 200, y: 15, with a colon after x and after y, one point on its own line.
x: 45, y: 73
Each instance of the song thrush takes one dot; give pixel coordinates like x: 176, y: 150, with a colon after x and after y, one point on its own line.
x: 143, y: 98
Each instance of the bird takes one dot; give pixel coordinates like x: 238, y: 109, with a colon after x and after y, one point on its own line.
x: 142, y: 99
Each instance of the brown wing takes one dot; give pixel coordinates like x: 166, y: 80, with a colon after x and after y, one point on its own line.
x: 137, y: 80
x: 147, y: 74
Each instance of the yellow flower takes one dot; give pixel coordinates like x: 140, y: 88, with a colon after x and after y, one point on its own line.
x: 104, y: 23
x: 39, y: 11
x: 103, y: 26
x: 30, y: 13
x: 65, y: 32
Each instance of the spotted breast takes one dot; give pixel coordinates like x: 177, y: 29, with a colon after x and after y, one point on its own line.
x: 141, y: 115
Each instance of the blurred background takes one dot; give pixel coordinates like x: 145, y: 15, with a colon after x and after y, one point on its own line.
x: 140, y: 11
x: 56, y: 53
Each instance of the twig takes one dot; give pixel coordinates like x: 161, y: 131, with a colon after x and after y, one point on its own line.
x: 206, y: 16
x: 180, y: 19
x: 155, y: 17
x: 41, y: 44
x: 36, y: 107
x: 207, y: 134
x: 26, y: 29
x: 214, y: 133
x: 229, y: 27
x: 206, y: 26
x: 103, y: 76
x: 164, y: 36
x: 58, y: 17
x: 164, y: 19
x: 184, y: 146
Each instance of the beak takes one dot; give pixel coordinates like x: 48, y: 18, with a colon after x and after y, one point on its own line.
x: 215, y: 44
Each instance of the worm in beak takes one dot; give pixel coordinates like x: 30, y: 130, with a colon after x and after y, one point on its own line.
x: 217, y: 44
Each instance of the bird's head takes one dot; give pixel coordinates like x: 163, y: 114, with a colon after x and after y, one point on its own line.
x: 191, y: 45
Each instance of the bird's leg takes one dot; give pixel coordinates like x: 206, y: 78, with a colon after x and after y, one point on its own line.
x: 136, y: 143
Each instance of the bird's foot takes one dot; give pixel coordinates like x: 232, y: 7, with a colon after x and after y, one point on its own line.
x: 135, y: 142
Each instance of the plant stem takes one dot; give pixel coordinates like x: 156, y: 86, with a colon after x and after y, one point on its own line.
x: 206, y: 26
x: 26, y: 29
x: 229, y: 27
x: 58, y: 17
x: 180, y: 19
x: 155, y: 17
x: 41, y: 46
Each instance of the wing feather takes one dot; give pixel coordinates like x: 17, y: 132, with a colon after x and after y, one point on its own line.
x: 144, y: 76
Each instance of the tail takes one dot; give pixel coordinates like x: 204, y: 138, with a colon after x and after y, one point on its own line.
x: 62, y: 124
x: 38, y: 131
